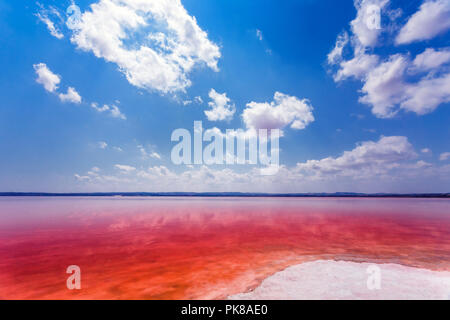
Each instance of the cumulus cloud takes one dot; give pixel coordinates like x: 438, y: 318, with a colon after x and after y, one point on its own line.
x: 154, y: 43
x: 368, y: 158
x: 283, y: 111
x: 365, y: 26
x: 221, y: 108
x: 426, y: 95
x: 50, y: 82
x: 395, y: 82
x: 358, y: 67
x: 387, y: 86
x: 46, y: 77
x: 389, y: 164
x: 384, y: 86
x: 156, y: 172
x: 432, y: 19
x: 70, y: 96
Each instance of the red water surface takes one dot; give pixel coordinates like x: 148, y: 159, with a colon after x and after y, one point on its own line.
x: 203, y: 248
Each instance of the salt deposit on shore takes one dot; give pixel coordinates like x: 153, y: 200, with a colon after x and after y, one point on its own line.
x: 327, y: 279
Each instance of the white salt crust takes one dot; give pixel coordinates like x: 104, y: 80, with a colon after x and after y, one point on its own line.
x: 327, y: 279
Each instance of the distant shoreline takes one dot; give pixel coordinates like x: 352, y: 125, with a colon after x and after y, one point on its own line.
x: 226, y: 194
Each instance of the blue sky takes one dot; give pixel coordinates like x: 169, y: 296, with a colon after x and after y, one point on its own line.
x: 380, y: 107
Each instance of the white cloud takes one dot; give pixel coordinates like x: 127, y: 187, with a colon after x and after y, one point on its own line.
x: 154, y: 43
x: 102, y: 145
x: 426, y: 95
x: 259, y: 34
x: 335, y: 55
x: 155, y: 155
x: 125, y: 168
x: 431, y: 59
x: 421, y: 164
x: 152, y: 154
x: 46, y: 77
x: 198, y: 99
x: 156, y: 172
x: 384, y: 86
x: 142, y: 151
x: 221, y: 108
x: 363, y: 26
x: 50, y: 81
x: 284, y: 111
x: 94, y: 172
x: 81, y: 178
x: 71, y: 96
x: 387, y: 165
x: 119, y: 149
x: 432, y: 19
x: 50, y: 25
x: 444, y: 156
x: 368, y: 158
x: 425, y: 150
x: 357, y: 67
x: 395, y: 82
x: 114, y: 111
x: 99, y: 109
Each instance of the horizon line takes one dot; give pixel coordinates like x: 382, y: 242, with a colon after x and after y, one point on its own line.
x: 227, y: 194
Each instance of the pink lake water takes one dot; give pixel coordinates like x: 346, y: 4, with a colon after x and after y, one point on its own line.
x: 203, y: 248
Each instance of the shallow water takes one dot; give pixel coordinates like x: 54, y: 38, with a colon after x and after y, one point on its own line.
x: 194, y: 248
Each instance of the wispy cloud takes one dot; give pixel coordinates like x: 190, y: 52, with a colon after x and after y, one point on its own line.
x: 259, y: 34
x: 44, y: 15
x: 113, y: 110
x: 102, y: 144
x: 148, y: 154
x: 125, y: 168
